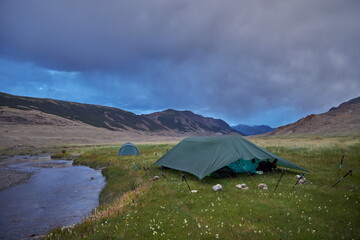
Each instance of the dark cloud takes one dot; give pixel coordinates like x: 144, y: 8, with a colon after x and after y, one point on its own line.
x: 245, y: 61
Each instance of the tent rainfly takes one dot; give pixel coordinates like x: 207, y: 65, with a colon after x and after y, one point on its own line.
x: 128, y: 149
x: 201, y: 156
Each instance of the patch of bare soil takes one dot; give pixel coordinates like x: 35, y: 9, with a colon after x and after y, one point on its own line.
x: 11, y: 177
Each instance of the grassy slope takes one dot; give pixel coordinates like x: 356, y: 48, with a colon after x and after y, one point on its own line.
x: 134, y: 208
x: 94, y: 115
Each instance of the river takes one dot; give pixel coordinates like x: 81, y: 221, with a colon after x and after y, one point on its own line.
x: 57, y: 194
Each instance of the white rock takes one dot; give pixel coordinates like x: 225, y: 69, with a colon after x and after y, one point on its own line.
x: 302, y: 181
x: 194, y: 191
x: 155, y: 178
x: 263, y: 186
x: 242, y: 186
x: 217, y: 187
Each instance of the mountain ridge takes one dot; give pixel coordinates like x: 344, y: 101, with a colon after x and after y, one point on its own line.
x: 95, y: 115
x: 187, y: 121
x: 110, y: 118
x: 344, y: 119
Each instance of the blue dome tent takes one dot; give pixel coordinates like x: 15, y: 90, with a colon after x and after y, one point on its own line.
x: 128, y: 149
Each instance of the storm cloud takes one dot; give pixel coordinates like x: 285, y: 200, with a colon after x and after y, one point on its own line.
x: 249, y: 62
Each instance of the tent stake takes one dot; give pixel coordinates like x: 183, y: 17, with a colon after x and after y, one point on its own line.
x: 183, y: 178
x: 340, y: 166
x: 302, y: 175
x: 282, y: 173
x: 342, y: 178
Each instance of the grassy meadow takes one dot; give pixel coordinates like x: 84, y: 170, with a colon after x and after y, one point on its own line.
x: 133, y: 207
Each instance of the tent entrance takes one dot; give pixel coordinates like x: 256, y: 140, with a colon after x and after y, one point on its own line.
x: 243, y: 166
x: 239, y: 166
x: 252, y: 166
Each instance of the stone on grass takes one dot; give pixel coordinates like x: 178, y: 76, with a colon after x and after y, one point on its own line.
x: 154, y: 178
x: 263, y: 186
x: 217, y: 187
x: 302, y: 181
x: 242, y: 186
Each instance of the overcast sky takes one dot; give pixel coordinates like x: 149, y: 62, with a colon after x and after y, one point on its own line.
x: 251, y: 62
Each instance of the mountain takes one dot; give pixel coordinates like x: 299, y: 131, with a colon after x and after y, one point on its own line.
x: 189, y: 122
x: 252, y: 130
x: 29, y: 111
x: 94, y: 115
x: 343, y: 120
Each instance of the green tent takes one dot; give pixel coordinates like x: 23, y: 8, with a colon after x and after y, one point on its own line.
x: 128, y: 149
x: 204, y: 155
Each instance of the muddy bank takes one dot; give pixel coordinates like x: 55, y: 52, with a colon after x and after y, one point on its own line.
x: 11, y: 177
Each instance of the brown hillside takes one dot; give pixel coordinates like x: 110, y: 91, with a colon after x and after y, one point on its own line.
x: 38, y: 121
x: 341, y: 120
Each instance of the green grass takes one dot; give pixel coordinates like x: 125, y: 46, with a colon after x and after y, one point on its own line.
x: 132, y: 207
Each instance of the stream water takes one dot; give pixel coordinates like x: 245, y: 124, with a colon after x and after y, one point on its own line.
x: 57, y: 194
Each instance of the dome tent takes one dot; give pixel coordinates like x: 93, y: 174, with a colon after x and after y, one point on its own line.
x: 128, y: 149
x: 201, y: 156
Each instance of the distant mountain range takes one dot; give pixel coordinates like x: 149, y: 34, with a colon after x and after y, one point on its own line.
x: 252, y: 130
x: 341, y: 120
x: 38, y: 121
x: 168, y: 122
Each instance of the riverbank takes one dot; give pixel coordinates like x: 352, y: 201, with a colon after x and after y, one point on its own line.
x: 9, y: 176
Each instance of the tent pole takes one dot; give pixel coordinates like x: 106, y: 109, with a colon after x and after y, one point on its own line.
x: 183, y: 178
x: 340, y: 166
x: 151, y: 171
x: 282, y: 173
x: 342, y: 178
x: 148, y: 170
